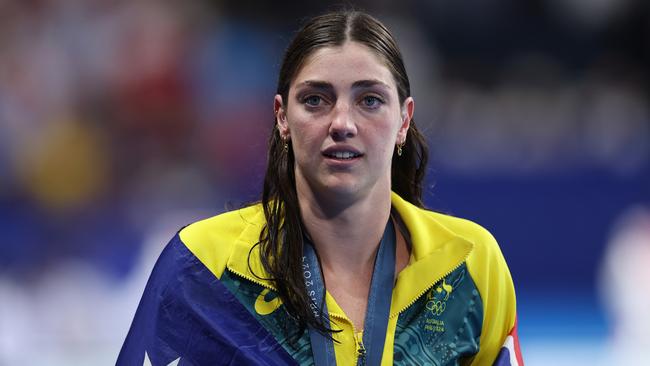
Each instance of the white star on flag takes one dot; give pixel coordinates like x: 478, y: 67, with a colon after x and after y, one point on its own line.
x: 147, y: 362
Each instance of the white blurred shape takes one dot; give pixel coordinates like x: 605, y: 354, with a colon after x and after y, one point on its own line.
x: 625, y: 288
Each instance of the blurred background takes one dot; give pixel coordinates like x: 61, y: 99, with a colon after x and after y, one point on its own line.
x: 121, y: 121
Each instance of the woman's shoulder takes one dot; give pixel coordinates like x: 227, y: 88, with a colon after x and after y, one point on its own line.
x: 465, y: 228
x: 212, y: 240
x: 486, y: 252
x: 224, y: 225
x: 443, y: 226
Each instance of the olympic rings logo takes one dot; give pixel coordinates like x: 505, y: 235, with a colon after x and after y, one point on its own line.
x: 436, y: 307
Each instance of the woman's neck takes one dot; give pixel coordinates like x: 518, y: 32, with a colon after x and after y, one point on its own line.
x: 346, y: 234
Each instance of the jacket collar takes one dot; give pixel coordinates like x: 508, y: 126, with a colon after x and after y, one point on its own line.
x: 436, y: 252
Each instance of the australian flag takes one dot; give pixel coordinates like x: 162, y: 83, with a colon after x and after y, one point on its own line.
x: 187, y: 317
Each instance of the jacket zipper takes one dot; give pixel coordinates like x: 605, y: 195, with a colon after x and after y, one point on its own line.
x: 256, y: 281
x: 361, y: 350
x: 433, y: 283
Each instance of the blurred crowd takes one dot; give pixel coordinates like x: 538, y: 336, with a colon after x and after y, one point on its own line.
x: 113, y: 112
x: 116, y: 116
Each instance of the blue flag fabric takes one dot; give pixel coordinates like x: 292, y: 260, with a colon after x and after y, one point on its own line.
x: 188, y: 317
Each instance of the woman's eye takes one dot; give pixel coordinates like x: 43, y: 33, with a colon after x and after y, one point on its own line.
x: 312, y: 100
x: 371, y: 101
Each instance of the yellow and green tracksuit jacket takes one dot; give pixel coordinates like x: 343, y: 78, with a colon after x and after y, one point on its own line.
x: 453, y: 304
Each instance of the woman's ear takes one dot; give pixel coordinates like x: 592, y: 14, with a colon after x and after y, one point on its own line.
x: 280, y: 116
x: 407, y: 114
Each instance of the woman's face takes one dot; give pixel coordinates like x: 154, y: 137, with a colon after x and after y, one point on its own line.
x: 344, y: 118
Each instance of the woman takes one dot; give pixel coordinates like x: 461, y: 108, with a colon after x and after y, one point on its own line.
x: 341, y: 210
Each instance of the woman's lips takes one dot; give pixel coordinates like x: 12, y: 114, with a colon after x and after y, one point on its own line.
x: 343, y: 155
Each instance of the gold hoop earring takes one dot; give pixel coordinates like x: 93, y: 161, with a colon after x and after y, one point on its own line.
x: 399, y: 148
x: 285, y: 144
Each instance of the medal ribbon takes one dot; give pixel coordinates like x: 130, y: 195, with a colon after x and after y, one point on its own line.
x: 377, y: 311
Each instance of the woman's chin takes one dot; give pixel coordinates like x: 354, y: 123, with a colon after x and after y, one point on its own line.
x: 343, y: 189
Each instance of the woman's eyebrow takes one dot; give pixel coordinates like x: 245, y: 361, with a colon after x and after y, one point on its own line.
x: 370, y: 83
x: 317, y: 84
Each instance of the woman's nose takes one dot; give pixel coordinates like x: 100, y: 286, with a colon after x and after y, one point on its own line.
x: 342, y: 125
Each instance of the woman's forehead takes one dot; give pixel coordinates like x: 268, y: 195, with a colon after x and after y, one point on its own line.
x: 348, y: 63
